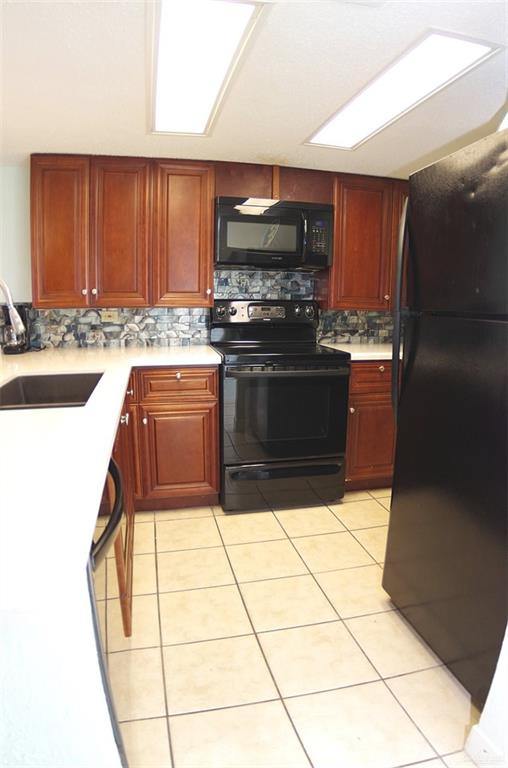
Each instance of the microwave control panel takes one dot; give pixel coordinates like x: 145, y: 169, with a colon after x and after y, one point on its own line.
x: 318, y: 235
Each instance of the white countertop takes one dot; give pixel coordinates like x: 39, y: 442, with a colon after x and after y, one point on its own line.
x: 53, y: 463
x: 360, y: 352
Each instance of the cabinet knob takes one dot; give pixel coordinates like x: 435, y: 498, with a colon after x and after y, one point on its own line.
x: 145, y: 420
x: 382, y: 368
x: 178, y: 375
x: 94, y: 291
x: 124, y: 419
x: 130, y: 392
x: 208, y: 291
x: 84, y: 291
x: 352, y: 410
x: 386, y: 297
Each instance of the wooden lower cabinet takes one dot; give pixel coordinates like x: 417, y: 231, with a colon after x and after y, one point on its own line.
x: 177, y: 433
x: 178, y: 447
x: 134, y: 446
x: 124, y: 542
x: 371, y: 430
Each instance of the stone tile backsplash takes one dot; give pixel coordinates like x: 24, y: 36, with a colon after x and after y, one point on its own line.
x: 355, y: 326
x: 246, y: 284
x: 160, y: 326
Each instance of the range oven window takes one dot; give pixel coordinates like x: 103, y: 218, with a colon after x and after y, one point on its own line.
x: 273, y: 415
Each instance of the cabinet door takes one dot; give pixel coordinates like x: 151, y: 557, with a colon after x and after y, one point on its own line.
x: 360, y: 276
x: 133, y: 411
x: 180, y: 450
x: 60, y: 220
x: 305, y: 186
x: 119, y: 231
x: 183, y: 230
x: 243, y: 179
x: 370, y: 440
x: 123, y: 455
x: 124, y: 547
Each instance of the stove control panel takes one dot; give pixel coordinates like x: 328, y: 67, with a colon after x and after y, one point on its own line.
x: 226, y: 311
x: 262, y: 311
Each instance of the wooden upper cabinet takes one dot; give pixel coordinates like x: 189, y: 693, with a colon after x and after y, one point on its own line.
x: 361, y: 272
x: 243, y: 179
x: 59, y: 201
x: 305, y: 186
x: 119, y: 231
x: 183, y: 234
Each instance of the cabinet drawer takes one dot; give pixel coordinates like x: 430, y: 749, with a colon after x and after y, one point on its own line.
x: 165, y: 385
x: 371, y: 377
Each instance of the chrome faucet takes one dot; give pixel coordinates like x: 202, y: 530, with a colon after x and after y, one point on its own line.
x: 16, y: 321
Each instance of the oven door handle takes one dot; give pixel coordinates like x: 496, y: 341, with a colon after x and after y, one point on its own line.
x: 329, y: 373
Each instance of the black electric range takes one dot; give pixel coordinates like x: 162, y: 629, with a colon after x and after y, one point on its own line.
x: 283, y: 406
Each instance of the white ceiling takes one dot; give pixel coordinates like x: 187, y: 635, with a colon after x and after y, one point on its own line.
x: 76, y: 77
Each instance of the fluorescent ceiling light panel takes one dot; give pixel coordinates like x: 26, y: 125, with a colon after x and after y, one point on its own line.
x: 199, y: 41
x: 425, y: 68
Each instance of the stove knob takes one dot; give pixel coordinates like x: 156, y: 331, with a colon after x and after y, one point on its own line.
x: 309, y: 311
x: 298, y: 310
x: 233, y: 310
x: 221, y: 311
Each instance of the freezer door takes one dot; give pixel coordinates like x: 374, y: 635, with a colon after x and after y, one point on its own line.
x: 458, y: 226
x: 446, y: 561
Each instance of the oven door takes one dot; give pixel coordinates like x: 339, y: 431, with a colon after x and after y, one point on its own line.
x: 283, y: 413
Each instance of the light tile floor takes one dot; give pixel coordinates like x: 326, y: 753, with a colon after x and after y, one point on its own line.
x: 265, y: 640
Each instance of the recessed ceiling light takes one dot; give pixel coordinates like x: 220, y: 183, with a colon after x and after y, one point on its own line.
x: 424, y: 69
x: 199, y: 44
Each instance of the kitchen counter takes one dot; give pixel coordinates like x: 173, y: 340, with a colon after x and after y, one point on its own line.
x: 364, y: 352
x: 53, y: 467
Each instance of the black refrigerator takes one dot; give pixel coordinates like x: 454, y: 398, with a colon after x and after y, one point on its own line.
x: 446, y: 564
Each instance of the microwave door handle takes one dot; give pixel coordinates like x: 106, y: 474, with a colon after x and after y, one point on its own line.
x: 304, y: 229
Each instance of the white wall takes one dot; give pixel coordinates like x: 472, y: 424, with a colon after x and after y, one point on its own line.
x: 15, y: 229
x: 488, y: 741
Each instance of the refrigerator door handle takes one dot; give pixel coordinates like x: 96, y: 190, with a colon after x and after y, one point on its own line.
x: 397, y: 311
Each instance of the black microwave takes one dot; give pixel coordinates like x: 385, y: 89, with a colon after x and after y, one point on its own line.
x: 272, y: 234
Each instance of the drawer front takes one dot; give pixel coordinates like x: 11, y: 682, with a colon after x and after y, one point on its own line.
x: 165, y: 385
x: 371, y: 377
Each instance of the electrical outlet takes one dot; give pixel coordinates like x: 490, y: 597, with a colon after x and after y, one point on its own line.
x: 110, y: 315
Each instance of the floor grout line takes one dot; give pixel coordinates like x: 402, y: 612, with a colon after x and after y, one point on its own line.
x: 381, y: 679
x: 265, y: 659
x: 256, y: 632
x: 171, y: 755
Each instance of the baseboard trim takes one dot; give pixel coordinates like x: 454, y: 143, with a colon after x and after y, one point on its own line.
x: 366, y: 483
x: 175, y: 502
x: 482, y: 751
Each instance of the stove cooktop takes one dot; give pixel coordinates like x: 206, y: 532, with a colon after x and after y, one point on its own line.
x: 281, y: 353
x: 277, y: 331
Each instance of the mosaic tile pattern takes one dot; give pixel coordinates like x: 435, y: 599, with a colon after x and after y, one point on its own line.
x: 162, y: 327
x: 135, y: 327
x: 246, y: 284
x: 355, y: 326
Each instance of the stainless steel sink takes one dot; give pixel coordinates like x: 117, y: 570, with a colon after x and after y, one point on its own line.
x: 62, y: 390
